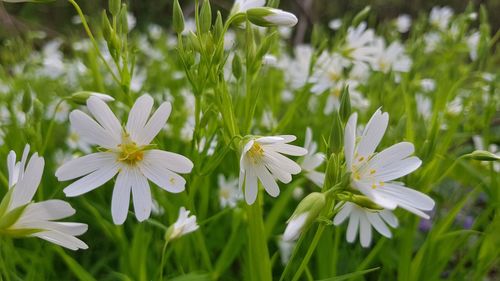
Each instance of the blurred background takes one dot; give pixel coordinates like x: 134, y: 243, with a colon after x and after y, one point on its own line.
x: 55, y: 18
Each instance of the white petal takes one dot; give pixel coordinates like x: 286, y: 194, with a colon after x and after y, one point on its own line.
x: 139, y: 115
x: 365, y: 230
x: 391, y: 154
x: 103, y: 114
x: 84, y: 165
x: 267, y: 180
x: 408, y: 196
x: 294, y: 227
x: 25, y: 189
x: 11, y: 167
x: 389, y: 217
x: 312, y: 162
x: 251, y: 188
x: 350, y: 139
x: 397, y: 169
x: 90, y: 131
x: 373, y: 133
x: 172, y: 161
x: 378, y: 224
x: 163, y: 177
x: 92, y: 180
x: 47, y: 210
x: 352, y: 227
x: 121, y: 197
x: 278, y: 172
x: 316, y: 177
x: 155, y: 124
x: 285, y: 163
x: 343, y: 213
x: 287, y: 149
x: 270, y: 140
x: 62, y: 239
x: 141, y: 195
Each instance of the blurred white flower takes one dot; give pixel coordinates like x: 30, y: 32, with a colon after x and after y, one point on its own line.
x: 432, y: 40
x: 403, y: 23
x: 441, y: 16
x: 36, y: 219
x: 359, y: 43
x: 373, y: 173
x: 424, y: 106
x: 335, y: 24
x: 126, y: 152
x: 312, y: 160
x: 472, y: 44
x: 296, y: 69
x: 362, y: 220
x: 428, y: 85
x: 261, y: 159
x: 391, y: 58
x: 185, y: 224
x: 286, y: 248
x: 241, y: 6
x: 59, y: 111
x: 229, y: 194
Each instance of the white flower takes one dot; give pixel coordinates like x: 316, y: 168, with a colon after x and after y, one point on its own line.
x: 126, y: 152
x: 428, y: 85
x: 261, y: 159
x: 373, y: 173
x: 296, y: 70
x: 294, y: 227
x: 37, y: 219
x: 441, y: 16
x: 472, y: 43
x: 403, y: 23
x: 364, y: 219
x: 391, y: 58
x: 328, y: 73
x: 58, y: 110
x: 241, y: 6
x: 432, y: 41
x: 185, y: 224
x: 229, y: 194
x: 335, y: 24
x: 286, y: 248
x: 424, y: 106
x: 312, y: 160
x: 359, y: 43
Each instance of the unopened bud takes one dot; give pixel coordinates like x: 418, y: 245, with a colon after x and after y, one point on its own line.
x: 304, y: 215
x: 178, y: 18
x: 267, y: 17
x: 83, y: 96
x: 483, y: 155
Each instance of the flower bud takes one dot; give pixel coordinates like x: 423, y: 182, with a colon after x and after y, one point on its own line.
x: 124, y: 19
x: 345, y: 104
x: 205, y: 16
x: 361, y: 16
x: 304, y: 215
x: 267, y: 17
x: 483, y: 155
x: 236, y: 66
x: 83, y: 96
x: 178, y: 18
x: 114, y: 7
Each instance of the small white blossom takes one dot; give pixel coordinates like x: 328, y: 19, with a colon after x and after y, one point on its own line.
x: 312, y: 160
x: 126, y: 152
x: 441, y: 16
x: 373, y: 173
x: 403, y: 23
x: 229, y: 194
x: 185, y: 224
x: 261, y: 159
x: 362, y: 220
x: 335, y: 24
x: 37, y: 219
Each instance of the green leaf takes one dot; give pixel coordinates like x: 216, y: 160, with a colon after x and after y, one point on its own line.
x: 350, y: 275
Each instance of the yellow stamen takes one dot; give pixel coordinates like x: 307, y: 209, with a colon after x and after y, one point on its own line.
x: 256, y: 151
x: 129, y: 151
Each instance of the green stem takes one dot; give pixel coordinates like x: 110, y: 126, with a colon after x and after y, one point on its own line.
x: 260, y: 263
x: 51, y: 127
x: 94, y: 42
x: 162, y: 264
x: 310, y: 251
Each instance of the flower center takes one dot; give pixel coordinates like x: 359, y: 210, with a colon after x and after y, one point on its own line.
x: 129, y: 151
x: 256, y: 152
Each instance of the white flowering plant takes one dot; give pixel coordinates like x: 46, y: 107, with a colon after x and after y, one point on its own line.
x: 228, y: 145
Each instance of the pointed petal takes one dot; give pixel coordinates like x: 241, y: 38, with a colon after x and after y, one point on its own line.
x: 287, y: 149
x: 378, y: 224
x: 155, y: 124
x: 373, y: 133
x: 121, y: 197
x: 251, y: 188
x: 92, y: 180
x: 103, y: 114
x: 84, y: 165
x: 90, y: 131
x: 267, y: 180
x: 163, y: 177
x: 139, y: 115
x: 62, y: 239
x: 171, y: 161
x: 343, y: 214
x: 25, y: 189
x: 350, y: 139
x: 141, y: 195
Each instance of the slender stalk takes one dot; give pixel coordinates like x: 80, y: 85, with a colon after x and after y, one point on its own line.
x: 92, y: 39
x: 51, y: 127
x: 259, y: 260
x: 309, y: 253
x: 162, y: 264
